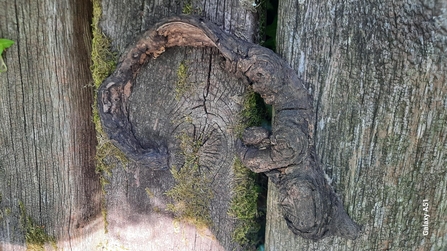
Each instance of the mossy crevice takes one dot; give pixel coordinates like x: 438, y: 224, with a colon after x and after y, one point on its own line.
x: 244, y: 206
x: 254, y: 112
x: 248, y: 194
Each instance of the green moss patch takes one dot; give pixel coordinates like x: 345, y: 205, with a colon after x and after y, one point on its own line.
x: 189, y: 9
x: 244, y: 206
x: 35, y: 235
x: 103, y: 59
x: 248, y: 191
x: 182, y: 85
x: 192, y: 192
x: 254, y: 112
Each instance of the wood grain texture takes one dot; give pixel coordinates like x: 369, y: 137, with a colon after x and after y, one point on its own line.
x: 310, y: 206
x: 378, y: 76
x: 47, y: 138
x: 197, y: 112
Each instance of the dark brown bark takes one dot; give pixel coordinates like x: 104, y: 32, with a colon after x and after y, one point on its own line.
x: 47, y: 138
x: 378, y: 74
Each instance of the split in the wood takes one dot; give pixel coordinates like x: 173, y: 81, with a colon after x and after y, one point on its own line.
x: 286, y: 154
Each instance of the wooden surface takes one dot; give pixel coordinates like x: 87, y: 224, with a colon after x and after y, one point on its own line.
x: 207, y: 110
x: 47, y: 138
x: 377, y: 72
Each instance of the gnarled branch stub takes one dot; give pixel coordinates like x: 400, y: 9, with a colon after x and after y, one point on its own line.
x: 286, y: 154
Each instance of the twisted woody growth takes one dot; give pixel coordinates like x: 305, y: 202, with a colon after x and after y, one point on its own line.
x: 286, y: 154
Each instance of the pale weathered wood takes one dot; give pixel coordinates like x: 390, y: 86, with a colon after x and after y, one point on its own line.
x: 378, y: 76
x: 47, y: 138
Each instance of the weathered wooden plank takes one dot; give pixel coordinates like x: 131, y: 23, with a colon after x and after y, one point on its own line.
x: 47, y: 136
x: 378, y: 75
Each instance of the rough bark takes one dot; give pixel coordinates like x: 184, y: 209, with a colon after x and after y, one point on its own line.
x: 206, y: 109
x: 377, y: 71
x: 310, y: 206
x: 47, y: 138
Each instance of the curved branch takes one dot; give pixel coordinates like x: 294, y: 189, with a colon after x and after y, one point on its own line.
x: 309, y: 204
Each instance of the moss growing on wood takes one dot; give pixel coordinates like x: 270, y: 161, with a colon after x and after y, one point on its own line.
x: 254, y: 112
x: 5, y: 212
x: 247, y: 190
x: 192, y: 192
x: 35, y: 235
x: 149, y: 193
x: 103, y: 64
x: 244, y: 206
x: 187, y: 8
x: 104, y: 61
x: 182, y: 85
